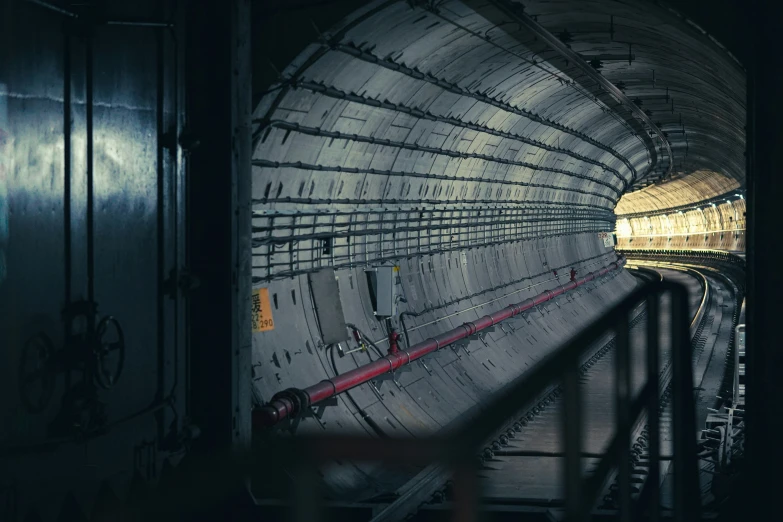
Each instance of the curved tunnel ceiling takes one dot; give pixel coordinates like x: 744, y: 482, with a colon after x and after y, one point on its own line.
x: 699, y: 186
x: 447, y: 137
x: 444, y: 102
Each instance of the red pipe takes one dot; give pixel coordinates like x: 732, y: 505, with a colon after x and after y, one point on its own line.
x: 290, y: 402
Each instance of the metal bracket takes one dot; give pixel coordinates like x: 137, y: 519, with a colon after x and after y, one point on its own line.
x: 391, y: 376
x: 478, y: 336
x: 421, y: 361
x: 376, y: 390
x: 464, y: 344
x: 317, y: 411
x: 291, y: 424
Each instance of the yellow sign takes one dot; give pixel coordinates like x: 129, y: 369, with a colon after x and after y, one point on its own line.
x: 262, y: 311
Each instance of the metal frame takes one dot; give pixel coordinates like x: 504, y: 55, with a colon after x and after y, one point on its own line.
x: 302, y: 455
x: 288, y: 242
x: 217, y: 144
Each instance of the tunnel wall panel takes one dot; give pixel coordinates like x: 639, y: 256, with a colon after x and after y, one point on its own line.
x: 413, y: 403
x: 718, y: 226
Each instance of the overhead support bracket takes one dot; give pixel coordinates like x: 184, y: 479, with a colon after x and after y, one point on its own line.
x: 517, y: 13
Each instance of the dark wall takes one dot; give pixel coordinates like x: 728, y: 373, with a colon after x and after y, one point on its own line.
x: 281, y: 29
x: 90, y: 216
x: 722, y: 19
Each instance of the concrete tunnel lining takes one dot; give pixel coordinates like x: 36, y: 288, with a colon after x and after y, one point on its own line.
x: 486, y: 174
x: 410, y: 114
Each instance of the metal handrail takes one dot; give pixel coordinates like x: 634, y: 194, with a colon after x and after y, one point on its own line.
x: 458, y: 449
x: 224, y: 473
x: 683, y: 253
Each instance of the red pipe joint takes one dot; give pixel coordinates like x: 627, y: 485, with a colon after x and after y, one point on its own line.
x: 393, y: 337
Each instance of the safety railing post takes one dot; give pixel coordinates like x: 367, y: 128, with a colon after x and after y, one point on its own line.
x: 571, y: 419
x: 465, y: 493
x: 653, y: 422
x: 687, y: 492
x: 306, y: 500
x: 622, y: 412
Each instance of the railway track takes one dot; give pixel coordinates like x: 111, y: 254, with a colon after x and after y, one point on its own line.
x: 522, y: 466
x: 528, y: 472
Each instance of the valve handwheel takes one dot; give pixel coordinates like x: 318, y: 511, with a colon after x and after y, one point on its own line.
x: 36, y: 375
x: 109, y: 352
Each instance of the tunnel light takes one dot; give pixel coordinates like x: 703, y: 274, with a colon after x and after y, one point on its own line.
x: 740, y: 195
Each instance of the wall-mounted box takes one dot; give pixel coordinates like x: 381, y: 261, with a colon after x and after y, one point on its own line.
x: 328, y: 306
x: 382, y: 280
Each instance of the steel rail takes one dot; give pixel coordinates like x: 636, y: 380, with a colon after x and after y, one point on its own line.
x: 425, y: 486
x: 665, y: 382
x: 290, y: 403
x: 458, y: 450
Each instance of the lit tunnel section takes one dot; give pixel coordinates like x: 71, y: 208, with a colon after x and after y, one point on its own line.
x: 703, y: 211
x: 449, y: 143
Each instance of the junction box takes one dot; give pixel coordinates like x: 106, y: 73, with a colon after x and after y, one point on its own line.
x: 382, y: 282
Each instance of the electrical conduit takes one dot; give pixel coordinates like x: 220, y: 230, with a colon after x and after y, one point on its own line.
x: 291, y: 402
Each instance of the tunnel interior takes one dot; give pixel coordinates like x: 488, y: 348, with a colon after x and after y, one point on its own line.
x: 409, y: 167
x: 446, y: 138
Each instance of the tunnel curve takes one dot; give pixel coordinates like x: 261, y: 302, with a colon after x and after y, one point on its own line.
x: 445, y: 139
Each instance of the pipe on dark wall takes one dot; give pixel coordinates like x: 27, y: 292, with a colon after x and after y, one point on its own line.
x: 291, y: 402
